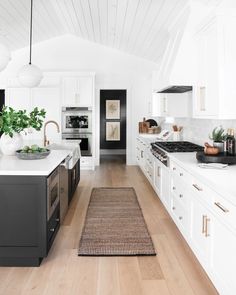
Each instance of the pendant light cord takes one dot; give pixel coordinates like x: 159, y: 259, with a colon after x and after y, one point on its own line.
x: 31, y: 26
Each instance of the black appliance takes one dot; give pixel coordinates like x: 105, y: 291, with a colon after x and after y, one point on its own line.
x: 176, y: 89
x: 161, y: 149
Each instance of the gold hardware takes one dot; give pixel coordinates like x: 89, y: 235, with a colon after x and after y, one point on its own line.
x: 206, y: 232
x: 203, y: 223
x: 158, y: 171
x: 45, y: 140
x: 221, y: 207
x: 197, y: 187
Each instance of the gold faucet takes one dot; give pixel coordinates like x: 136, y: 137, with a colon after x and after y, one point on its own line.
x: 45, y: 140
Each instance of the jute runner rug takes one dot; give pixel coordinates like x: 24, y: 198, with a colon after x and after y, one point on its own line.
x: 114, y: 225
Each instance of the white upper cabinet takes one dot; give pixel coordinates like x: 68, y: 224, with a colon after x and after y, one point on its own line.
x: 50, y: 100
x: 78, y: 91
x: 18, y: 98
x: 214, y: 94
x: 171, y: 105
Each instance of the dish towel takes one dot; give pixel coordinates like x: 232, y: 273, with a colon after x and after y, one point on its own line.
x: 212, y: 165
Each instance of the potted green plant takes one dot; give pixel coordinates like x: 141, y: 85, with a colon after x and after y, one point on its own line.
x: 13, y: 122
x: 218, y: 136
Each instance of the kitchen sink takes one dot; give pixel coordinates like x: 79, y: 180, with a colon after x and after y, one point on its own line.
x: 74, y: 149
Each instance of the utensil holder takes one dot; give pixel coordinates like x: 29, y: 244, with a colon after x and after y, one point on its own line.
x: 176, y: 135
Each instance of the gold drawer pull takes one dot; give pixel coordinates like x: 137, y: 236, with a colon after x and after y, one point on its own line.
x: 203, y: 223
x: 197, y: 187
x: 221, y: 207
x: 206, y: 232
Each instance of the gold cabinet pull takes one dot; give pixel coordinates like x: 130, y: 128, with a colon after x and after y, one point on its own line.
x: 203, y: 223
x: 207, y: 228
x: 225, y: 210
x: 197, y: 187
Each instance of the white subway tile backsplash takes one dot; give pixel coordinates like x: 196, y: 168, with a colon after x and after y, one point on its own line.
x: 198, y: 130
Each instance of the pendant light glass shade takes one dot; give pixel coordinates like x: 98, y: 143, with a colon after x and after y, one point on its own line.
x: 30, y: 75
x: 5, y: 56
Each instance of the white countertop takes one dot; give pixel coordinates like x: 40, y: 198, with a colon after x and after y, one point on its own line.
x: 11, y: 165
x: 222, y: 181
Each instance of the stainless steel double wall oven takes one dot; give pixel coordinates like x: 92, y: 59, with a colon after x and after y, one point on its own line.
x: 77, y: 125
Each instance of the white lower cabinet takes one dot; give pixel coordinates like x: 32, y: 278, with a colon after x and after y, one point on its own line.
x: 157, y: 177
x: 223, y: 258
x: 210, y: 229
x: 205, y: 219
x: 165, y: 186
x: 200, y: 230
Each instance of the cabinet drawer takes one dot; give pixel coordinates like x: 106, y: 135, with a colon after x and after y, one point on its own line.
x: 53, y: 226
x: 225, y: 210
x: 216, y: 203
x: 179, y: 172
x: 86, y: 161
x: 179, y: 192
x: 180, y: 215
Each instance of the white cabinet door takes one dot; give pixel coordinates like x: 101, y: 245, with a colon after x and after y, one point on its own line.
x: 206, y: 90
x: 157, y: 178
x: 85, y: 93
x: 70, y: 91
x: 223, y: 257
x: 19, y: 98
x: 200, y: 230
x: 165, y: 187
x: 78, y: 91
x: 50, y: 100
x: 171, y: 105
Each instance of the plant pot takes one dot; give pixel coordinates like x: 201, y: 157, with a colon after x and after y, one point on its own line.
x: 219, y: 145
x: 9, y: 145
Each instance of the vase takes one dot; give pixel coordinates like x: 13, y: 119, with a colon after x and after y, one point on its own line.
x: 9, y: 145
x: 219, y: 145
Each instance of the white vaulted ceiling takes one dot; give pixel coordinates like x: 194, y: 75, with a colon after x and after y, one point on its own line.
x: 138, y: 27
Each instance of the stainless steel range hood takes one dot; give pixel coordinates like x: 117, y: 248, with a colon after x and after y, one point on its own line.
x: 176, y: 89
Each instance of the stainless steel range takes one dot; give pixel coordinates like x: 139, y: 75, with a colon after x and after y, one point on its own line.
x: 161, y: 149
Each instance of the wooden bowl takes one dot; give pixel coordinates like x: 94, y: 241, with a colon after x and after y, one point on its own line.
x: 211, y: 150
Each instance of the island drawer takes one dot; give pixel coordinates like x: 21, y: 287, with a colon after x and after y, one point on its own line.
x: 53, y: 226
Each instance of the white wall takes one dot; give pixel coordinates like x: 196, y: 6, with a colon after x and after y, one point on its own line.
x: 114, y: 70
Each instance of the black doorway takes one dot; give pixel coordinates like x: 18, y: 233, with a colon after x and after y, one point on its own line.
x: 113, y: 118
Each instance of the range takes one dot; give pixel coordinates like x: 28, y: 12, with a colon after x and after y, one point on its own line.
x: 160, y: 149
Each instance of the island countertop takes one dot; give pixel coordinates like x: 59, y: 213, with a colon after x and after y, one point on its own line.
x: 11, y: 165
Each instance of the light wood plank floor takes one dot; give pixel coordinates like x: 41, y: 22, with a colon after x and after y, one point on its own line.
x: 174, y: 271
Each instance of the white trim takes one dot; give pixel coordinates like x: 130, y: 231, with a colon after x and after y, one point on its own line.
x: 113, y: 86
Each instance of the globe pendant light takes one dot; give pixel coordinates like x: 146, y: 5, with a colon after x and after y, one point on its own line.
x: 5, y: 56
x: 30, y: 75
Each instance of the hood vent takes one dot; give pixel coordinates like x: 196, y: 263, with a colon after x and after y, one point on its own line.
x: 176, y: 89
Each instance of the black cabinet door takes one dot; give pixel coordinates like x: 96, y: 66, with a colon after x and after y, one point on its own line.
x: 23, y: 214
x: 73, y: 179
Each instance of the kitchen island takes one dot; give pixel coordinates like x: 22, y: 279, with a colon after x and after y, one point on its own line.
x: 29, y: 208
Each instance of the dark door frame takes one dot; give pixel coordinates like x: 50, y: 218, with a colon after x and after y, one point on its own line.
x: 128, y: 132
